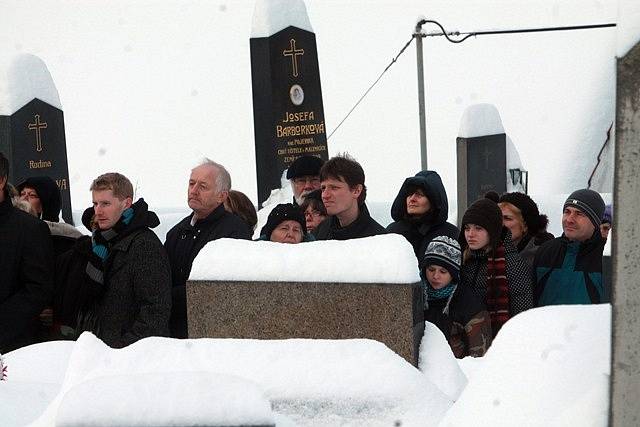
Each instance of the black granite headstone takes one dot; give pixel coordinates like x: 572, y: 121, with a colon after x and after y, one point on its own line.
x: 33, y: 140
x: 287, y: 104
x: 482, y: 167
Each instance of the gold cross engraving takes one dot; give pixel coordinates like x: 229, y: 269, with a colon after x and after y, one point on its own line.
x: 293, y: 53
x: 37, y: 126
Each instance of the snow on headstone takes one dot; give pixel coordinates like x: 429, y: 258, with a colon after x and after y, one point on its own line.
x: 628, y: 26
x: 481, y: 155
x: 271, y: 16
x: 343, y: 379
x: 438, y: 363
x: 386, y: 258
x: 32, y: 134
x: 22, y: 78
x: 165, y: 399
x: 546, y: 366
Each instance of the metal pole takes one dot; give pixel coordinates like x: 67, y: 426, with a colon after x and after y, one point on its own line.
x: 421, y: 109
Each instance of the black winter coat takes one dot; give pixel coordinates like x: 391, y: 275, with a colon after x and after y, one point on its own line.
x: 26, y: 275
x: 519, y: 278
x: 137, y: 299
x: 421, y: 231
x: 363, y: 226
x: 184, y: 242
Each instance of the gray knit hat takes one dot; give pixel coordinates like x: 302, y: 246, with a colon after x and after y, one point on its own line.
x: 445, y: 252
x: 589, y: 202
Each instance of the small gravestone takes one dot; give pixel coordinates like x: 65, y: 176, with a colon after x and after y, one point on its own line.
x: 482, y: 155
x: 277, y: 298
x: 32, y: 132
x: 288, y: 115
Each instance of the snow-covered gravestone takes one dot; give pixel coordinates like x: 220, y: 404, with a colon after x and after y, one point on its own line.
x: 482, y: 155
x: 32, y: 133
x: 288, y: 115
x: 361, y: 288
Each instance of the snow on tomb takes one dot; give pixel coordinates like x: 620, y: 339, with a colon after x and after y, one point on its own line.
x: 481, y: 155
x: 32, y: 132
x: 361, y: 288
x: 162, y: 381
x: 288, y: 113
x: 547, y: 366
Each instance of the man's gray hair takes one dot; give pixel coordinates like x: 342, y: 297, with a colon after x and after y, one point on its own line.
x: 223, y: 179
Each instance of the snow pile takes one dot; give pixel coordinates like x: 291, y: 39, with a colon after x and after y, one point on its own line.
x: 284, y: 194
x: 480, y: 120
x: 547, y: 366
x: 22, y: 78
x: 386, y: 258
x: 437, y: 362
x: 34, y: 375
x: 271, y: 16
x: 358, y: 381
x: 157, y: 399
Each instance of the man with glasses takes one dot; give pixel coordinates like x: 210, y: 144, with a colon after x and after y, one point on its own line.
x: 304, y: 175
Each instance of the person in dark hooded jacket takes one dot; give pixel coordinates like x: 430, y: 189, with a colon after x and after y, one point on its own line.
x: 43, y: 195
x: 130, y: 272
x: 420, y: 211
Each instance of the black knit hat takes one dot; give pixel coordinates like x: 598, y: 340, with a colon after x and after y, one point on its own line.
x: 589, y: 202
x: 283, y: 212
x: 445, y: 252
x: 305, y: 166
x: 534, y: 221
x: 48, y: 193
x: 486, y: 214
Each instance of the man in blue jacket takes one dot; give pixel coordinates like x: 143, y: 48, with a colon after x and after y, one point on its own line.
x: 568, y: 269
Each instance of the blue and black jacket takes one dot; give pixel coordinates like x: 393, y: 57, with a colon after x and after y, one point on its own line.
x: 568, y: 272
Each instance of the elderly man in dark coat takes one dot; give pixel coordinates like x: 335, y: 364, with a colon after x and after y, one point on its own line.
x: 209, y: 185
x: 26, y: 270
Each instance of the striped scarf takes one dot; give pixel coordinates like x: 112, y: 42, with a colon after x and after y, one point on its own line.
x: 497, y: 298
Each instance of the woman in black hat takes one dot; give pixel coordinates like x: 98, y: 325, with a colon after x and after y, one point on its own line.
x: 492, y: 267
x: 528, y: 227
x: 286, y: 224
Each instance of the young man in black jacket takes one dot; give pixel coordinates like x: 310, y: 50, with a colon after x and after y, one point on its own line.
x: 26, y: 270
x: 209, y: 186
x: 343, y: 195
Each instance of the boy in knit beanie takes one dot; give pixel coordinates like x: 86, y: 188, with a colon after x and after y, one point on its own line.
x: 568, y: 269
x: 455, y: 310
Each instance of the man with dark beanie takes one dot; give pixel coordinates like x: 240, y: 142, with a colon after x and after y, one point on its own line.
x: 26, y: 270
x: 492, y: 267
x: 304, y: 175
x: 568, y: 269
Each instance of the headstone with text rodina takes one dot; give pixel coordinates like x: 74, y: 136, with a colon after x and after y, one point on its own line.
x: 481, y: 149
x: 288, y: 116
x: 32, y: 133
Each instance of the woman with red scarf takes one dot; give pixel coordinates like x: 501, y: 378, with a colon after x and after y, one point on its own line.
x: 492, y: 267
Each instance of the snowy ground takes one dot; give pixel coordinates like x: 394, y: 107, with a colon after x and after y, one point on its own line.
x: 547, y: 367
